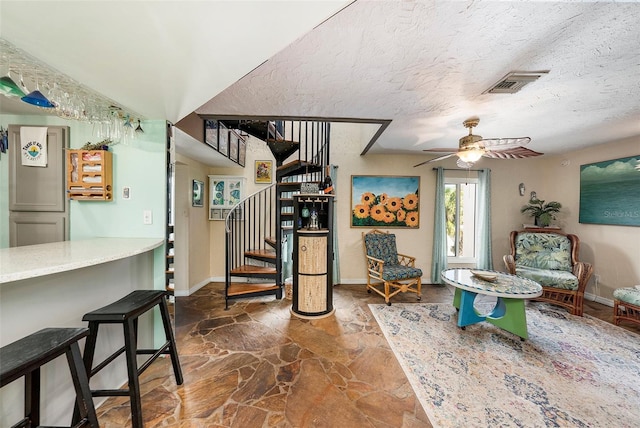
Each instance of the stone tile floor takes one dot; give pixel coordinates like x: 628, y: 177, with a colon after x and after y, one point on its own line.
x: 256, y: 365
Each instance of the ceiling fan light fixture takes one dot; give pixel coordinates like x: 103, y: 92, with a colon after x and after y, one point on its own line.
x: 470, y: 155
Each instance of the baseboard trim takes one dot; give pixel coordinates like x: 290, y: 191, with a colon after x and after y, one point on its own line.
x: 196, y: 287
x: 598, y: 299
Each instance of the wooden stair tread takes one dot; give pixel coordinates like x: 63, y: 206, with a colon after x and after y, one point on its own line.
x: 241, y: 288
x: 253, y: 269
x: 265, y: 253
x: 293, y: 163
x: 297, y: 167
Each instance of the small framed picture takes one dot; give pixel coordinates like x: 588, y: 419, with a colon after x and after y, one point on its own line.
x: 211, y: 133
x: 242, y: 152
x: 197, y: 195
x: 234, y: 141
x: 223, y: 139
x: 264, y: 171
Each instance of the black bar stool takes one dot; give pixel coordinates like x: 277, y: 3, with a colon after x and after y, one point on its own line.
x: 25, y: 357
x: 126, y: 312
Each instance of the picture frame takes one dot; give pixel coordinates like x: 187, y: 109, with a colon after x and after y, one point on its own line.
x: 242, y: 152
x: 211, y: 133
x: 223, y: 139
x: 263, y: 171
x: 197, y: 194
x: 385, y: 201
x: 610, y: 192
x: 233, y: 146
x: 225, y: 192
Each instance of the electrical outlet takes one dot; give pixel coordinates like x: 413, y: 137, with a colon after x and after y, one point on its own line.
x: 147, y: 217
x: 597, y: 278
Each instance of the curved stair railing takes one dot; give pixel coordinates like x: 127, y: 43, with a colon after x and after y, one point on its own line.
x: 254, y: 228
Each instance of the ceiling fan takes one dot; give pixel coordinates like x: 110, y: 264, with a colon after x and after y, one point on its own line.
x: 473, y: 147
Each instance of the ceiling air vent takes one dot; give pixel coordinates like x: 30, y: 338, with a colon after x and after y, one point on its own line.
x: 514, y: 81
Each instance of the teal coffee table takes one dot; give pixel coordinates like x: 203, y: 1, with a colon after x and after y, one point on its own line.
x: 511, y: 291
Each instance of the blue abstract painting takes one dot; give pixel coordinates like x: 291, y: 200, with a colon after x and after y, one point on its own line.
x: 610, y: 192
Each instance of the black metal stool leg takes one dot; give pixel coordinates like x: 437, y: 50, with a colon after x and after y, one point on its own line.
x: 168, y: 331
x: 131, y: 346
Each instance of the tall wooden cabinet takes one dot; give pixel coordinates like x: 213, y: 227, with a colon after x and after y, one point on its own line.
x: 313, y: 256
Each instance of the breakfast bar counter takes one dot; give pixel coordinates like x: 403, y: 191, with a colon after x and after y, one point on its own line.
x: 44, y: 259
x: 54, y: 285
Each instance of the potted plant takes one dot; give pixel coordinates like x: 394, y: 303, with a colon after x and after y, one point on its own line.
x: 543, y: 213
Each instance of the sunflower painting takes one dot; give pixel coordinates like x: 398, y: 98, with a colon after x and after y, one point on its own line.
x: 385, y: 201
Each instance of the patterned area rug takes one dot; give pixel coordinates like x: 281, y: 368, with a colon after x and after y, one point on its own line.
x: 571, y: 372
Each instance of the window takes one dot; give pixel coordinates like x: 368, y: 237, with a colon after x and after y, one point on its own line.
x: 460, y: 208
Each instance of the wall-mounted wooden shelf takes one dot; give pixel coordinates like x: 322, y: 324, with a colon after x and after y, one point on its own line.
x: 89, y: 175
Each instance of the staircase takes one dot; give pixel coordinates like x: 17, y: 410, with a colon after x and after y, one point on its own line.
x: 256, y: 228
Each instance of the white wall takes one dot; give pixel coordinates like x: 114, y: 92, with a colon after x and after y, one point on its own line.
x: 192, y: 245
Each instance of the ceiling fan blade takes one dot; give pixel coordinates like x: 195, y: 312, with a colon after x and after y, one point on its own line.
x: 439, y: 158
x: 441, y: 150
x: 504, y: 143
x: 514, y: 153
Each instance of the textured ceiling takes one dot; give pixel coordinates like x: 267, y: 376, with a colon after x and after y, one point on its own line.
x: 421, y: 64
x: 425, y: 64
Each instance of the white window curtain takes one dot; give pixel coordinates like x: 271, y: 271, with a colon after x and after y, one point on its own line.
x: 483, y: 220
x: 439, y: 256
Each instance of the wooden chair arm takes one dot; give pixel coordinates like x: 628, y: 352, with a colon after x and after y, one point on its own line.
x: 509, y: 263
x: 375, y: 265
x: 406, y: 260
x: 583, y: 272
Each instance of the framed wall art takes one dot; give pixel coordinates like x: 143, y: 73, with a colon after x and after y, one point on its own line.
x: 610, y: 192
x: 197, y: 194
x: 223, y: 139
x: 234, y: 142
x: 242, y: 152
x: 211, y: 133
x: 385, y: 201
x: 224, y: 192
x: 264, y: 171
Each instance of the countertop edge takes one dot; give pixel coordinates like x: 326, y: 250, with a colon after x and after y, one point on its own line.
x: 118, y: 248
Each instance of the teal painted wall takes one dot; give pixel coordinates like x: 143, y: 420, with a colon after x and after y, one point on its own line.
x: 140, y: 165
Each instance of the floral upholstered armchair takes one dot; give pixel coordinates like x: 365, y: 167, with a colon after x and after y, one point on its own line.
x: 388, y: 272
x: 551, y: 259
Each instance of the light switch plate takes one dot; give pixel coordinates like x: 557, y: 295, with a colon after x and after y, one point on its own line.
x: 147, y: 217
